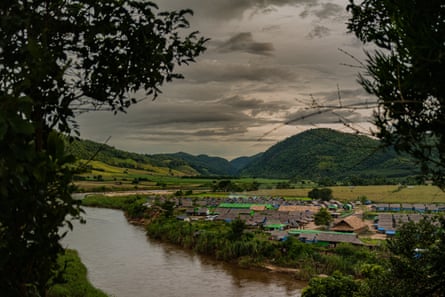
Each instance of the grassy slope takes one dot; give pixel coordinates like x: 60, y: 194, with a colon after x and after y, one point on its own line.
x: 77, y: 284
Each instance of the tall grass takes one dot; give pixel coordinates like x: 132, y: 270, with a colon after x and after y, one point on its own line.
x: 73, y: 281
x: 132, y: 204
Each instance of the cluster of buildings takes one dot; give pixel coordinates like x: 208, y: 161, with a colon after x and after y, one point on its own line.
x: 283, y: 218
x: 388, y: 223
x: 419, y: 208
x: 279, y: 217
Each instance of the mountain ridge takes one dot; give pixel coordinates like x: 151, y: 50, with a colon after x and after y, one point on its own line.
x: 313, y: 154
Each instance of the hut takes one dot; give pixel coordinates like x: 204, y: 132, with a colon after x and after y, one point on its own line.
x: 350, y: 224
x: 381, y: 207
x: 326, y: 238
x: 394, y: 207
x: 419, y: 208
x: 299, y: 208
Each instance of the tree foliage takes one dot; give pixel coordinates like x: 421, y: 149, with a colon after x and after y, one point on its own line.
x: 336, y: 285
x: 324, y: 194
x: 406, y: 73
x: 410, y: 265
x: 318, y: 154
x: 322, y: 217
x: 58, y: 58
x: 417, y: 255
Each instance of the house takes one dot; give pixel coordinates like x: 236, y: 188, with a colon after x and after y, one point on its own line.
x: 324, y: 238
x: 350, y: 224
x: 394, y: 207
x: 432, y: 208
x: 299, y: 208
x: 202, y: 211
x: 381, y: 207
x: 187, y: 202
x: 419, y: 207
x: 334, y: 238
x: 385, y: 222
x: 407, y: 207
x: 258, y: 207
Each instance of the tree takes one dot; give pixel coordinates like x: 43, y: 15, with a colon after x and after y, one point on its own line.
x: 414, y: 267
x: 336, y: 285
x: 406, y: 73
x: 322, y: 217
x: 237, y: 227
x: 324, y: 194
x: 225, y: 186
x: 57, y: 58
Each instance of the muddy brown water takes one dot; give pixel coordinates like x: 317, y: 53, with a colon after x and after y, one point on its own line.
x: 123, y: 262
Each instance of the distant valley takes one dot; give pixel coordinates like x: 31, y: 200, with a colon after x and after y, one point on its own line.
x: 315, y: 154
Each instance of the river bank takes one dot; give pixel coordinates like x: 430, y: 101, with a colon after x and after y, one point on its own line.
x: 123, y: 262
x: 74, y: 280
x: 247, y: 248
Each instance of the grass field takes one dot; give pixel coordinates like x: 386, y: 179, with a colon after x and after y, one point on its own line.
x: 390, y: 194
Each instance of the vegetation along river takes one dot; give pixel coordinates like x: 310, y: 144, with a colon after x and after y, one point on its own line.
x: 123, y: 262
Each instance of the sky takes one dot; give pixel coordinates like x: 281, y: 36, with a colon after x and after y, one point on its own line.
x: 270, y: 69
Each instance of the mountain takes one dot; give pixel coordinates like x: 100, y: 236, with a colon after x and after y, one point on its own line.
x: 207, y: 165
x: 313, y: 154
x: 182, y: 163
x: 241, y: 162
x: 328, y: 153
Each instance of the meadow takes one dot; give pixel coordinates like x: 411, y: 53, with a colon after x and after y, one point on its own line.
x: 378, y: 194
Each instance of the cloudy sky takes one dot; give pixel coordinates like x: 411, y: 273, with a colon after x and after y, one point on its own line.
x: 270, y: 68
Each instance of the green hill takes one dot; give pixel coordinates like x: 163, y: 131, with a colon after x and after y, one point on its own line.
x: 181, y: 163
x: 328, y: 153
x: 314, y: 154
x: 156, y: 164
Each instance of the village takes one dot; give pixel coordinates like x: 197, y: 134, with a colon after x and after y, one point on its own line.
x: 351, y: 222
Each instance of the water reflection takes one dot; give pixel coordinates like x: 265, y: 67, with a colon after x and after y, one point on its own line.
x: 123, y: 262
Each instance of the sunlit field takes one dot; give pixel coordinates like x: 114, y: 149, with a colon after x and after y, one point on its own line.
x: 390, y: 194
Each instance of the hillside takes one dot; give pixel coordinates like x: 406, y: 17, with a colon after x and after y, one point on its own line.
x: 328, y: 153
x: 179, y: 164
x: 313, y: 154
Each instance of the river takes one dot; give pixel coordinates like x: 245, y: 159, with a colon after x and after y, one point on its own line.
x: 123, y: 262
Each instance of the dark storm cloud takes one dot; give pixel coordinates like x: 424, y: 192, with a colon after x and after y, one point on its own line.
x: 271, y: 28
x: 346, y: 97
x: 195, y: 116
x: 185, y: 114
x: 244, y: 42
x: 318, y: 31
x: 245, y: 83
x: 210, y: 71
x: 255, y: 106
x: 327, y: 10
x: 320, y: 116
x: 229, y: 9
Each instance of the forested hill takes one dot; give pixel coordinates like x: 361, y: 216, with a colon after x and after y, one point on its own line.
x: 179, y: 163
x: 313, y: 154
x: 328, y: 153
